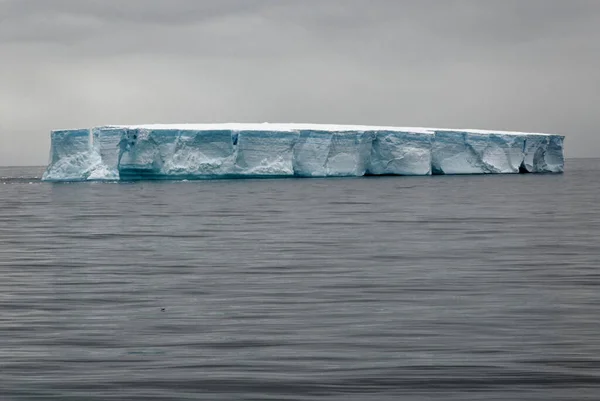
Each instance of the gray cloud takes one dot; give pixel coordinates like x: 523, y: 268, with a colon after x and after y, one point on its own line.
x: 519, y: 65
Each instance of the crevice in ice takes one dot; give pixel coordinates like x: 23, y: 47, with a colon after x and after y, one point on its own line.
x: 539, y: 160
x: 435, y: 170
x: 476, y: 158
x: 523, y: 169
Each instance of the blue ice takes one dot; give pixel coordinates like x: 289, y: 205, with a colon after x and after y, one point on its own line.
x: 205, y: 151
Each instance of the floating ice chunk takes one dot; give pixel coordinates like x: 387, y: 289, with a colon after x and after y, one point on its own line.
x: 263, y: 153
x: 401, y: 153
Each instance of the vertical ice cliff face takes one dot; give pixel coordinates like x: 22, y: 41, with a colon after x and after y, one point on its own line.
x: 178, y: 154
x: 261, y: 153
x: 106, y: 143
x: 332, y: 154
x: 401, y: 153
x: 311, y: 153
x: 285, y: 150
x: 71, y: 157
x: 543, y: 154
x: 462, y: 152
x: 349, y: 154
x: 451, y: 155
x: 503, y: 153
x: 144, y: 152
x: 201, y: 154
x: 554, y: 157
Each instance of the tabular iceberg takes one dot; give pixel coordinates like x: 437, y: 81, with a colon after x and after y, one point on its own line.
x: 206, y: 151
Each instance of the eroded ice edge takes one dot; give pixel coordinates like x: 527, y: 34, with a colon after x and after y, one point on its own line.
x: 205, y: 151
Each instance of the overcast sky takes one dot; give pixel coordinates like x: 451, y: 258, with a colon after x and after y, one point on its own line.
x: 526, y: 65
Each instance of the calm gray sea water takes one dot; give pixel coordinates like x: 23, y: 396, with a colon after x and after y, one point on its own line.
x: 380, y: 288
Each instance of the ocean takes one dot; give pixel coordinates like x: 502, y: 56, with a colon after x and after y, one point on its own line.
x: 376, y: 288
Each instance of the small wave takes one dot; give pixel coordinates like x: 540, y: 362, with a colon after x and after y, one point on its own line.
x: 20, y: 180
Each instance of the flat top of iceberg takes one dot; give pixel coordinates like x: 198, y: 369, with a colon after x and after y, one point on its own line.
x: 489, y: 132
x: 275, y: 127
x: 289, y: 127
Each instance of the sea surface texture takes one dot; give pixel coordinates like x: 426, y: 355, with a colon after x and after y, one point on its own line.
x: 377, y: 288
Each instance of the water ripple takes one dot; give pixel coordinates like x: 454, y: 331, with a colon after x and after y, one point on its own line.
x: 462, y: 288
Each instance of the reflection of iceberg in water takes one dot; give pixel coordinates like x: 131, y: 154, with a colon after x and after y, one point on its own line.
x: 205, y: 151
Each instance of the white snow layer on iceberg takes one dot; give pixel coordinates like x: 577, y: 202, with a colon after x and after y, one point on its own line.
x: 197, y: 151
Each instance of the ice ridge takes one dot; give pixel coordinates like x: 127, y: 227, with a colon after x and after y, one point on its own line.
x: 207, y: 151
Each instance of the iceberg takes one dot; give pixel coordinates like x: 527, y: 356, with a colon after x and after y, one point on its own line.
x: 208, y: 151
